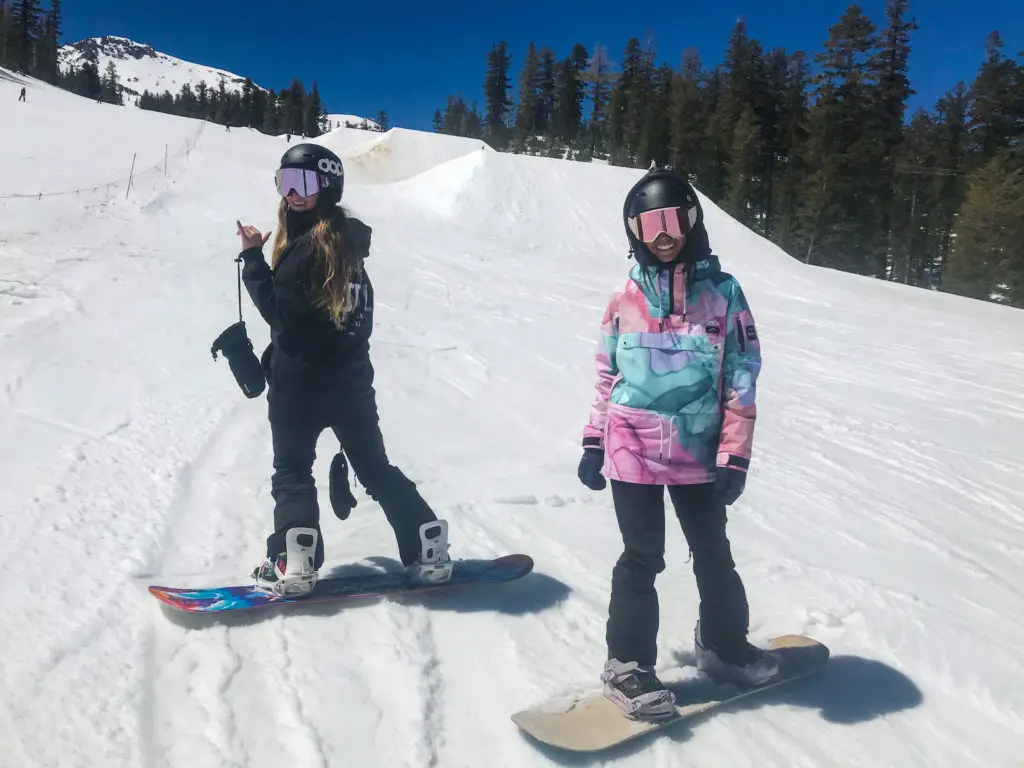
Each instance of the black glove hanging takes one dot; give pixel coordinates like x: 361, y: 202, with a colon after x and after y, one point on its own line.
x: 235, y: 345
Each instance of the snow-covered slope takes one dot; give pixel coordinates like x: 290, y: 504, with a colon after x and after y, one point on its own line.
x: 141, y: 68
x: 884, y: 514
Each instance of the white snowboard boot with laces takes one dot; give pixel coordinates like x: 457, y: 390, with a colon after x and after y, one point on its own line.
x: 291, y: 573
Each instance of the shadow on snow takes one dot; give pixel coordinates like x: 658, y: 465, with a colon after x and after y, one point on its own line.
x: 532, y: 593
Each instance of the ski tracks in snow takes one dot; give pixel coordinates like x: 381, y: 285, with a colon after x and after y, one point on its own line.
x: 305, y: 683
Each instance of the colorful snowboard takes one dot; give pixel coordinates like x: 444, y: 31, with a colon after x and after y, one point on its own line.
x: 589, y: 722
x: 240, y: 598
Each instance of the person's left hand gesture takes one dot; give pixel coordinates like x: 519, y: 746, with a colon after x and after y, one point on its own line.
x: 251, y: 237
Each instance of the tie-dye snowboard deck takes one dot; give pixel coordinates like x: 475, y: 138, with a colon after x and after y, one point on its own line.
x: 329, y: 588
x: 590, y: 722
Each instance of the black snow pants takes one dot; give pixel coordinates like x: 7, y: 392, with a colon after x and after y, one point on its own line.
x: 301, y: 406
x: 632, y: 628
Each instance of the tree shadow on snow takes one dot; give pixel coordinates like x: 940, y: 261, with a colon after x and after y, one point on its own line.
x: 532, y: 593
x: 850, y: 690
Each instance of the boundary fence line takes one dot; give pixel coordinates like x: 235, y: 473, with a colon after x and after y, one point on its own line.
x: 183, y: 150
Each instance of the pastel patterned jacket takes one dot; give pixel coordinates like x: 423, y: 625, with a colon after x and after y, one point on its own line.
x: 677, y: 372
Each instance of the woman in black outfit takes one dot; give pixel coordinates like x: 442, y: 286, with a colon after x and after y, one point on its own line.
x: 318, y: 301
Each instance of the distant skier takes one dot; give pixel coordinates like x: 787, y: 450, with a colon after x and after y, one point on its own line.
x: 22, y: 96
x: 318, y: 301
x: 673, y: 406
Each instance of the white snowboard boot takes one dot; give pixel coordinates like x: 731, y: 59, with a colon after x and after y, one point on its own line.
x: 433, y: 566
x: 746, y: 665
x: 637, y: 691
x: 291, y: 573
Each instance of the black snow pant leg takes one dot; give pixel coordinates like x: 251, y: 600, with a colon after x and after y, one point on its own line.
x: 632, y: 629
x: 294, y: 433
x: 357, y: 427
x: 724, y: 612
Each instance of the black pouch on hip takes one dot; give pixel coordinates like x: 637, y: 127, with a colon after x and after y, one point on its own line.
x: 235, y: 345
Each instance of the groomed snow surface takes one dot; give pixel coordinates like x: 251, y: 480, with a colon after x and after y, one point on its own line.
x: 883, y: 514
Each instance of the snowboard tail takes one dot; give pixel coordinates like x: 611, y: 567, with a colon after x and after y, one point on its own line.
x: 590, y: 722
x: 330, y: 588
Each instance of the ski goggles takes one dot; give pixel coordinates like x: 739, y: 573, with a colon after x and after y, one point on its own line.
x: 305, y: 183
x: 674, y: 222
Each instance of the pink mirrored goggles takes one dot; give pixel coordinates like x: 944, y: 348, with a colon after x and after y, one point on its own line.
x: 674, y: 222
x: 305, y: 183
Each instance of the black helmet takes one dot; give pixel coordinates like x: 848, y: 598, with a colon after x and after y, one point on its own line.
x: 313, y: 157
x: 663, y: 188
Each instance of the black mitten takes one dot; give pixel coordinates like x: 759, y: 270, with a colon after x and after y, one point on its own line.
x: 589, y: 471
x: 729, y: 484
x: 342, y: 500
x: 357, y: 237
x: 265, y: 360
x: 235, y: 345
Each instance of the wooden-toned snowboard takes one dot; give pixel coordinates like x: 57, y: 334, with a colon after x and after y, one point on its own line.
x: 589, y: 722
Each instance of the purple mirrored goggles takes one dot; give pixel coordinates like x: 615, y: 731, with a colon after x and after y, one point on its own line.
x: 305, y: 183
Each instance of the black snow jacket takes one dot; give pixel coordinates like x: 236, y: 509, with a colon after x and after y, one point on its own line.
x: 303, y: 336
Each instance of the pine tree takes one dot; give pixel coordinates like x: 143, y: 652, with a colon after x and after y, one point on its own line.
x: 292, y: 108
x: 626, y: 107
x: 746, y: 142
x: 570, y: 90
x: 996, y: 113
x: 90, y: 83
x: 912, y: 206
x: 271, y: 116
x: 545, y: 90
x: 46, y: 50
x: 744, y: 76
x: 687, y: 117
x: 438, y: 122
x: 889, y: 102
x: 789, y: 161
x: 713, y: 167
x: 841, y: 217
x: 986, y: 261
x: 383, y: 122
x: 248, y: 99
x: 314, y: 116
x: 25, y: 24
x: 656, y: 135
x: 526, y: 109
x: 222, y: 106
x: 599, y: 83
x: 6, y: 27
x: 951, y: 139
x: 111, y: 87
x: 461, y: 120
x: 496, y: 87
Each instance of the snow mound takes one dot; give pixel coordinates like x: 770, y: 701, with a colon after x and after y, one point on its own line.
x: 400, y: 154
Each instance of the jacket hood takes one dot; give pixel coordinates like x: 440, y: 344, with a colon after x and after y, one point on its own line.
x: 709, y: 266
x: 357, y: 234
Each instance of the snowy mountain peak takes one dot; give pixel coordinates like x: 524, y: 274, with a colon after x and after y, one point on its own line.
x: 113, y: 47
x: 140, y: 67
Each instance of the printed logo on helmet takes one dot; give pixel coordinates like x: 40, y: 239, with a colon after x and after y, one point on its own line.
x: 330, y: 166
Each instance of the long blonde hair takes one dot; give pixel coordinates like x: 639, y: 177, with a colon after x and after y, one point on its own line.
x: 335, y: 269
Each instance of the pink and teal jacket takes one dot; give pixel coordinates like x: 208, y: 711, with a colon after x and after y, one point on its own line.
x: 677, y: 369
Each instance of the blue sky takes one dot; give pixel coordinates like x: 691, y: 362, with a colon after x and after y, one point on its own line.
x: 406, y: 56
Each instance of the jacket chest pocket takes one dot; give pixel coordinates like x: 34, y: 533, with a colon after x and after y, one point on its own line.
x: 669, y: 351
